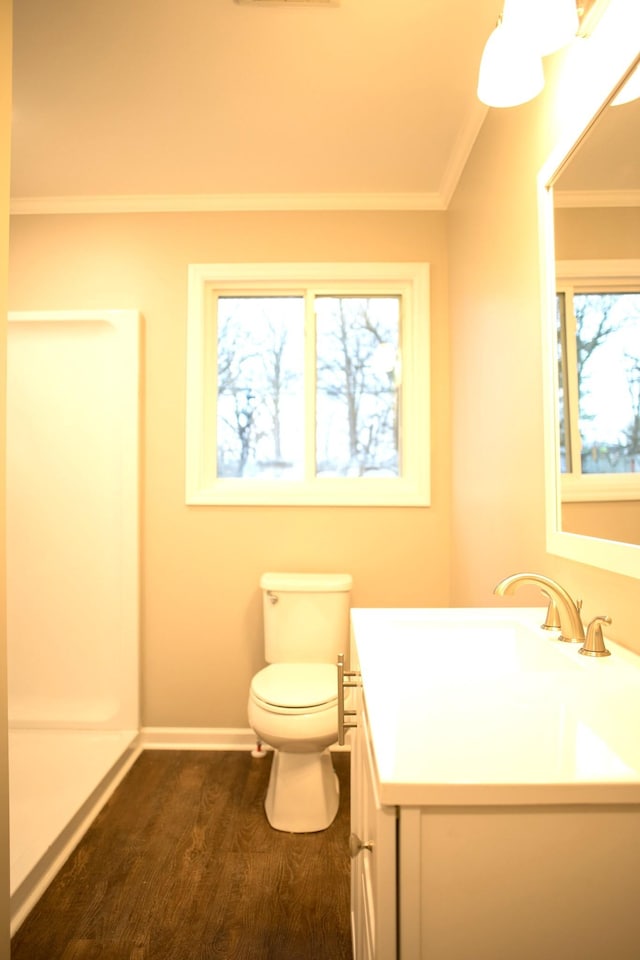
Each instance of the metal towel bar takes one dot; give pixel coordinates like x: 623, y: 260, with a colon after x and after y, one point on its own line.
x: 346, y: 678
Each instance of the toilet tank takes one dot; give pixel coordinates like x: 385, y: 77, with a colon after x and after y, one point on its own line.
x: 306, y: 616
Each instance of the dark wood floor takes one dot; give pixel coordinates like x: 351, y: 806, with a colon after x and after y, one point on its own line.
x: 181, y: 864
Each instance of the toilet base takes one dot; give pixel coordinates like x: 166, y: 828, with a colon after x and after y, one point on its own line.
x: 303, y: 792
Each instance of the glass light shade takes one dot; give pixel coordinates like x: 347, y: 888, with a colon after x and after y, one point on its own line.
x: 547, y: 25
x: 510, y: 70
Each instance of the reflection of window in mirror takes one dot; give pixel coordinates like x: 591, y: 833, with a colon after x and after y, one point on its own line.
x: 598, y: 366
x: 599, y: 378
x: 590, y: 204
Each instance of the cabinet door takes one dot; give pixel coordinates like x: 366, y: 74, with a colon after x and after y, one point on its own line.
x: 373, y: 866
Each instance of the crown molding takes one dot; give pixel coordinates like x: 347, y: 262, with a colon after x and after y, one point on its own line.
x: 283, y: 202
x: 461, y: 151
x: 596, y: 198
x: 208, y: 203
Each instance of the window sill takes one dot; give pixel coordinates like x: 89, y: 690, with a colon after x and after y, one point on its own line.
x: 600, y: 487
x: 334, y: 493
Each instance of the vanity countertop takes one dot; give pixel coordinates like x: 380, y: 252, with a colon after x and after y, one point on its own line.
x: 479, y: 706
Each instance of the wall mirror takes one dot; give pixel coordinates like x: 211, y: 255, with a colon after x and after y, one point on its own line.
x: 590, y: 218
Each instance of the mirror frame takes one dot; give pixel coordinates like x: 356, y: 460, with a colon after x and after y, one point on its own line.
x: 593, y: 71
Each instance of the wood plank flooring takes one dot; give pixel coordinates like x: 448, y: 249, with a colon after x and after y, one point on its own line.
x: 181, y: 864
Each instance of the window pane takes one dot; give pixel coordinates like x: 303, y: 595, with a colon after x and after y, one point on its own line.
x: 357, y: 393
x: 260, y: 410
x: 608, y: 351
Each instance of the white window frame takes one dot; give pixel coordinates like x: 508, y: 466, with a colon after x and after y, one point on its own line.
x: 577, y: 276
x: 409, y: 281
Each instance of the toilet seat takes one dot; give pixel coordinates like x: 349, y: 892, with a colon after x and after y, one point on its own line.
x: 292, y: 688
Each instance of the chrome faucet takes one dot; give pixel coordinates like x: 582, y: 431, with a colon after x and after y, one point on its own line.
x: 571, y: 628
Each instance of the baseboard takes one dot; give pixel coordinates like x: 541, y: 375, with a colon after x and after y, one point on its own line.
x: 203, y: 738
x: 197, y: 738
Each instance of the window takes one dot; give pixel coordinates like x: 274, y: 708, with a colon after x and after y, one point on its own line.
x: 598, y: 320
x: 308, y: 384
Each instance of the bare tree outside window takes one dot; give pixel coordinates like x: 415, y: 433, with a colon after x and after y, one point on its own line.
x: 261, y: 387
x: 608, y: 379
x: 607, y: 331
x: 357, y: 404
x: 260, y: 420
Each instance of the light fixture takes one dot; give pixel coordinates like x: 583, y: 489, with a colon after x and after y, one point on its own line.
x: 511, y: 67
x: 548, y: 25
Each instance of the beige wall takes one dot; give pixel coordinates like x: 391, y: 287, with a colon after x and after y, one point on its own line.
x: 201, y: 629
x: 5, y: 135
x: 498, y: 517
x: 612, y: 520
x: 498, y: 491
x: 597, y: 233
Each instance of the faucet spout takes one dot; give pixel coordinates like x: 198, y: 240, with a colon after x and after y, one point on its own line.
x: 571, y: 627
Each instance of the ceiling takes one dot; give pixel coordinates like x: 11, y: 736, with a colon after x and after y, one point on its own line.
x: 607, y: 161
x: 217, y: 99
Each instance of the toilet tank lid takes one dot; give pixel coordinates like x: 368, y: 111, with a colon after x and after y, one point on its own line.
x: 309, y: 582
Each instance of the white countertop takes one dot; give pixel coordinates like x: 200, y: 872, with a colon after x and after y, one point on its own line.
x: 480, y: 706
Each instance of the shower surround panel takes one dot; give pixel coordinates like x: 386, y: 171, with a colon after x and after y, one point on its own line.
x: 72, y: 565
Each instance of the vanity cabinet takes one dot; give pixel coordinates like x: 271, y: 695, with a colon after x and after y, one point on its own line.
x: 454, y: 871
x: 373, y: 848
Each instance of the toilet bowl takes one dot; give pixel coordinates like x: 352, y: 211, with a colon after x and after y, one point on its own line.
x: 293, y: 708
x: 293, y: 701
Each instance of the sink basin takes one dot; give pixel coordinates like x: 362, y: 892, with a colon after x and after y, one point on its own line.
x: 481, y: 704
x: 470, y: 641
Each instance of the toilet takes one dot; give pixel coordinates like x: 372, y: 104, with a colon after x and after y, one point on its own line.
x: 293, y: 702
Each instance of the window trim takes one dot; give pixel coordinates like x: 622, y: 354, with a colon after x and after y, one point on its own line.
x: 410, y: 280
x: 577, y: 487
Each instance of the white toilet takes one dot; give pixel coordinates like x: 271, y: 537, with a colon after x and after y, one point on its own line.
x: 293, y: 702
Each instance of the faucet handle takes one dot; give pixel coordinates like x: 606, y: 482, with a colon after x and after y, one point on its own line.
x: 594, y: 644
